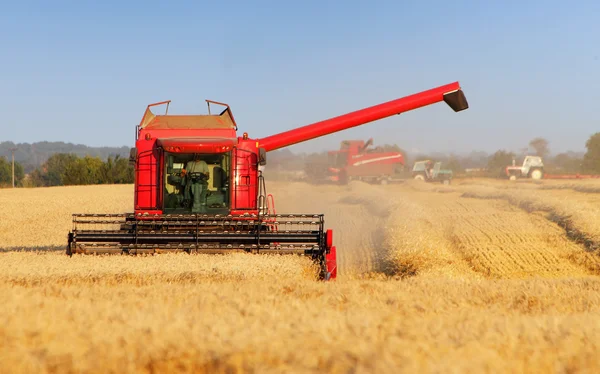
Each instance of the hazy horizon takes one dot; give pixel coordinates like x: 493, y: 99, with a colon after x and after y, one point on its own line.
x: 84, y: 73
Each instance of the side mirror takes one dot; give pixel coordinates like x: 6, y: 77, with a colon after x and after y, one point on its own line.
x: 132, y: 156
x: 262, y: 156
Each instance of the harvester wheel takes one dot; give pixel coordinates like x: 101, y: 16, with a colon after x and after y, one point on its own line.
x: 419, y: 177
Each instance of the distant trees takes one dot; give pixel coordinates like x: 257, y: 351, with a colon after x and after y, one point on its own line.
x: 57, y: 166
x: 67, y: 169
x: 284, y: 159
x: 316, y: 165
x: 540, y: 146
x: 6, y: 172
x: 454, y: 163
x: 591, y: 159
x: 34, y: 155
x: 84, y: 170
x: 116, y: 171
x: 499, y: 161
x: 564, y: 163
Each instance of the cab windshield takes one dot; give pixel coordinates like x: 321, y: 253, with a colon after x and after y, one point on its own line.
x: 196, y: 183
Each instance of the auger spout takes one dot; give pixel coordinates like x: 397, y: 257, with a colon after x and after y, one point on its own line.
x: 451, y: 93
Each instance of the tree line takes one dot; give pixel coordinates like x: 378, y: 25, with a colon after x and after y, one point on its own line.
x: 33, y: 155
x: 65, y: 169
x: 562, y: 163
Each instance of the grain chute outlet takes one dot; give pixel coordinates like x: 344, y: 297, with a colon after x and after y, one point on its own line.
x: 199, y: 187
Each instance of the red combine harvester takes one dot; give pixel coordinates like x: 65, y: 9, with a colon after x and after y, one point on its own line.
x: 356, y: 161
x: 199, y: 187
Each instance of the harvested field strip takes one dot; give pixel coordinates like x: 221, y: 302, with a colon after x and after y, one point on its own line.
x: 513, y: 244
x: 416, y: 244
x: 574, y: 212
x: 499, y: 241
x: 357, y: 213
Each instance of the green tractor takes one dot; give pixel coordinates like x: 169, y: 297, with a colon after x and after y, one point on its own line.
x: 428, y: 171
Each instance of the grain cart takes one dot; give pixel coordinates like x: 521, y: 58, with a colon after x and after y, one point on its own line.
x: 199, y: 187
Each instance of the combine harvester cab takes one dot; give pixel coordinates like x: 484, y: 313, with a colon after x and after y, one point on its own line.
x: 199, y: 187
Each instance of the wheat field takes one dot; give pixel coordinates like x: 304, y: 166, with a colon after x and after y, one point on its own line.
x: 480, y: 276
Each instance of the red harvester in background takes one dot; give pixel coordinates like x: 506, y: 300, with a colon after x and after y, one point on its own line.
x: 199, y: 188
x: 355, y: 160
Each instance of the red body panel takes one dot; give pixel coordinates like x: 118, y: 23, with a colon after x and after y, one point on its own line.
x: 331, y: 262
x: 245, y: 176
x: 374, y: 163
x: 197, y: 145
x: 146, y: 176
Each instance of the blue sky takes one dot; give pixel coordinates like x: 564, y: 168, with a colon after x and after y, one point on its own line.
x: 83, y: 72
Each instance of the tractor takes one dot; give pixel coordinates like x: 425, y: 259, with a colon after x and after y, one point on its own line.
x: 533, y: 167
x: 429, y: 171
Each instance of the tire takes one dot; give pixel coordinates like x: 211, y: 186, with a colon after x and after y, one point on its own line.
x: 537, y: 174
x: 446, y: 182
x: 512, y: 178
x: 419, y: 177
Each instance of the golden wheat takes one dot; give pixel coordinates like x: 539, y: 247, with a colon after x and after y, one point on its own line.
x: 476, y: 285
x: 161, y: 314
x: 41, y: 217
x: 580, y: 208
